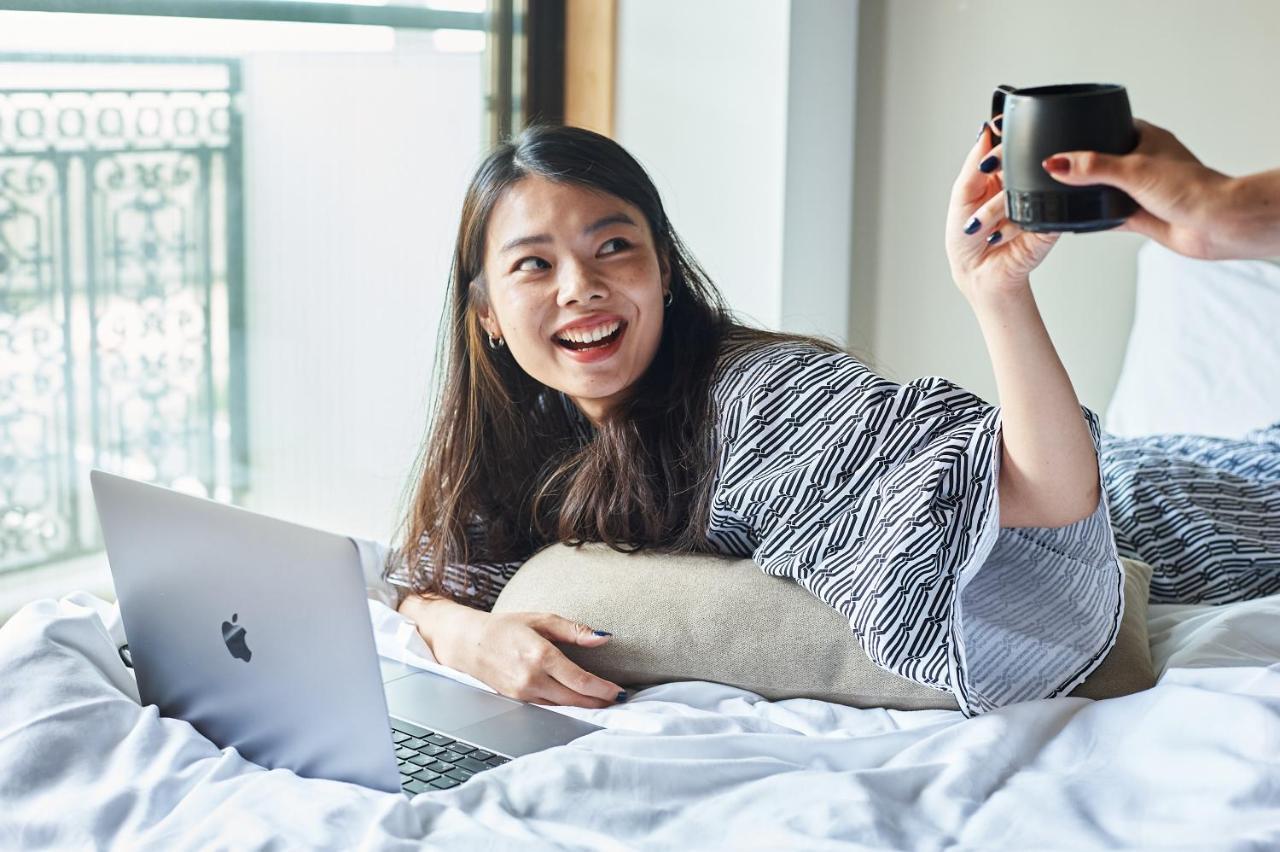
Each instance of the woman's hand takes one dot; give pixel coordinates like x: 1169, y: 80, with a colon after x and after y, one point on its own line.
x: 990, y: 256
x: 513, y: 653
x: 1186, y: 205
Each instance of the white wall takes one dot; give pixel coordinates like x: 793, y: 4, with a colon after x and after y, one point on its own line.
x: 735, y: 125
x: 818, y: 212
x: 701, y: 103
x: 1206, y: 71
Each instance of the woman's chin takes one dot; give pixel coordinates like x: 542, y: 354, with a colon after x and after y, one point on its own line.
x: 594, y: 397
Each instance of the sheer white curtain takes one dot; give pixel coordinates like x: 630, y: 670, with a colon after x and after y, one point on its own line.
x: 356, y: 145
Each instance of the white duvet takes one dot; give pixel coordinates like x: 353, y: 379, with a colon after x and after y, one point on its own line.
x: 1193, y: 763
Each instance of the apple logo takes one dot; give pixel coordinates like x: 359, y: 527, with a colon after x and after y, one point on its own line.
x: 233, y: 634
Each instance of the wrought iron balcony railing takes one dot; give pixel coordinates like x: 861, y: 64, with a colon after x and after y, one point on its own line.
x: 121, y: 291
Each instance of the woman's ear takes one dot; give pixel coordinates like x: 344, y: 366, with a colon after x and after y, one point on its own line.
x: 488, y: 322
x: 664, y: 264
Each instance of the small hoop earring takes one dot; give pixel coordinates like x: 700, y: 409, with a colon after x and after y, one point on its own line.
x: 671, y: 297
x: 496, y: 343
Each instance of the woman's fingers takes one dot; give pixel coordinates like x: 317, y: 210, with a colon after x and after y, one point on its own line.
x: 985, y: 219
x: 988, y: 231
x: 982, y: 149
x: 976, y: 233
x: 548, y: 690
x: 980, y: 183
x: 1022, y: 249
x: 560, y: 629
x: 986, y: 138
x: 579, y: 682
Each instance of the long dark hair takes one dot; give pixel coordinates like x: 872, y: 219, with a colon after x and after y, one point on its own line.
x: 504, y: 455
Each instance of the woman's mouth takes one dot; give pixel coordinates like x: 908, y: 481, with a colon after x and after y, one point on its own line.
x: 585, y: 349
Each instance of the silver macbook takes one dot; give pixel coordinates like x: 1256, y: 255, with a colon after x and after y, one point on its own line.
x: 257, y: 632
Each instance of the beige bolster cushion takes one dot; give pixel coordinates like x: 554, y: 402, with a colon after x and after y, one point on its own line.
x: 722, y: 619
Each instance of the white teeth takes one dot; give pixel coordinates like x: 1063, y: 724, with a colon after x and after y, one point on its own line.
x: 591, y: 335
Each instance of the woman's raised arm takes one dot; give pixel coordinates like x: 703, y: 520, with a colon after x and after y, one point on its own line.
x: 1049, y: 467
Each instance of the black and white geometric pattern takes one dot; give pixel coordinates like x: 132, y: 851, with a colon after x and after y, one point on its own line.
x: 1203, y: 512
x: 881, y: 499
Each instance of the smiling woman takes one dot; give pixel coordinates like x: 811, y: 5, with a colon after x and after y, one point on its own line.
x: 580, y: 303
x: 596, y: 388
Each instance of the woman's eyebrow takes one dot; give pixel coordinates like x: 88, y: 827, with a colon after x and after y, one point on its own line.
x: 611, y: 219
x: 603, y: 222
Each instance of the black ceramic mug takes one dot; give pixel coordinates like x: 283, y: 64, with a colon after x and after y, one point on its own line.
x: 1044, y: 120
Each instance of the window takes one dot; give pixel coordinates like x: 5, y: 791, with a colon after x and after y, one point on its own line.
x: 223, y: 249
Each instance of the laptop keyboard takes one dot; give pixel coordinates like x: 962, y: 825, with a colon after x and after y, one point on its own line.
x: 432, y: 761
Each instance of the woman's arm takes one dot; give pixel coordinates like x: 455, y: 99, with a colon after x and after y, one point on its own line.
x: 433, y: 614
x: 1049, y: 468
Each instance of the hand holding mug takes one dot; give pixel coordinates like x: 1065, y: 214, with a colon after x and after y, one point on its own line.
x: 990, y: 256
x: 1185, y: 205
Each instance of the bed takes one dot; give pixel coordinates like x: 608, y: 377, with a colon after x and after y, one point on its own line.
x: 1192, y: 763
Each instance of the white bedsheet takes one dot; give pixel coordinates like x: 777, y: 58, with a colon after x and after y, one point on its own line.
x: 1191, y: 763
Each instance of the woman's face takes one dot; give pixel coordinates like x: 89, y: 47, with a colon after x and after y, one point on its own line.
x: 575, y: 288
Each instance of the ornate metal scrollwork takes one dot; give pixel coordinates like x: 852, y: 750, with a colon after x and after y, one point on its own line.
x: 116, y: 277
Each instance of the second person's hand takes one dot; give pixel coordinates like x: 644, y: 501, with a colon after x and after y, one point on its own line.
x: 1185, y: 205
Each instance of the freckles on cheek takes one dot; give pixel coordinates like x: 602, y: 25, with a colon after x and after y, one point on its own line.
x: 522, y: 319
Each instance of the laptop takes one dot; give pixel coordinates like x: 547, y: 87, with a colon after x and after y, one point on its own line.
x: 257, y: 632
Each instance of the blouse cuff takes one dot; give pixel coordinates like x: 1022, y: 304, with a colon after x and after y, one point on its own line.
x: 1037, y: 608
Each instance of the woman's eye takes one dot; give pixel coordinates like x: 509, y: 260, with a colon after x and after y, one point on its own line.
x: 522, y: 265
x: 621, y: 243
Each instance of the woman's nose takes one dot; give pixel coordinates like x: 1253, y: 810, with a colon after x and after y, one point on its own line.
x: 578, y: 284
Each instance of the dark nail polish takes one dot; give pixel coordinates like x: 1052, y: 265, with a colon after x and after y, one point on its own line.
x: 989, y: 164
x: 972, y: 226
x: 600, y: 633
x: 994, y: 238
x: 622, y: 696
x: 999, y: 123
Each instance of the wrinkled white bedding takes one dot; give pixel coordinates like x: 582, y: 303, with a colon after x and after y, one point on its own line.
x: 1193, y: 763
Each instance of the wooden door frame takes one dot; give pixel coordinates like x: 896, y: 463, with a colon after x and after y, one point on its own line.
x: 590, y: 63
x: 570, y: 63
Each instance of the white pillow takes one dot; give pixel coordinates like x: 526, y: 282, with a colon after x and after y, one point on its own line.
x: 1204, y: 353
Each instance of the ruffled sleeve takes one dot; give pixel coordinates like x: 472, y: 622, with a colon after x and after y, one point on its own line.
x: 881, y: 499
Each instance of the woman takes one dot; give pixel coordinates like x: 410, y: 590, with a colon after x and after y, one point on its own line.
x: 596, y: 388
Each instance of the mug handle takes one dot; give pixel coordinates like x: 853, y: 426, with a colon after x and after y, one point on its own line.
x: 998, y: 96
